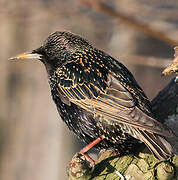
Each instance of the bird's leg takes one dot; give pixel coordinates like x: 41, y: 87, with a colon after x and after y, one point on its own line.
x: 88, y: 147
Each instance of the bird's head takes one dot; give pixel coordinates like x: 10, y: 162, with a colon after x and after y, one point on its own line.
x: 57, y: 49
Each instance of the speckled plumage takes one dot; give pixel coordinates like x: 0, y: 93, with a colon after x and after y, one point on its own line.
x: 97, y: 96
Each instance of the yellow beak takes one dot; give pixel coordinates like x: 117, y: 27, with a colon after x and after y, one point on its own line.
x: 26, y: 55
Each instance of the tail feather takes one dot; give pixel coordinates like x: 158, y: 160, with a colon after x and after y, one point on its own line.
x: 159, y: 146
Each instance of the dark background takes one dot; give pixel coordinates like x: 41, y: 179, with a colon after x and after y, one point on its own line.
x: 34, y: 142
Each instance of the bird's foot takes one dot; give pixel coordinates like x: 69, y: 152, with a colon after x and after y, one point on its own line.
x: 90, y: 160
x: 82, y: 162
x: 80, y: 166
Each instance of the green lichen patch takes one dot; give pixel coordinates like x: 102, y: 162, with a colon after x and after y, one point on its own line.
x: 134, y: 173
x: 165, y: 171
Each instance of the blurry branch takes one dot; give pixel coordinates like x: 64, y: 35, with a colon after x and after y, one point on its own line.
x: 95, y: 4
x: 146, y: 61
x: 167, y: 13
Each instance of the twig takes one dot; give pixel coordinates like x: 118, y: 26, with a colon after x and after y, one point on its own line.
x: 173, y: 68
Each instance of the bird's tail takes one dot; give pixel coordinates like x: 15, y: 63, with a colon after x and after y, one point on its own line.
x: 157, y: 144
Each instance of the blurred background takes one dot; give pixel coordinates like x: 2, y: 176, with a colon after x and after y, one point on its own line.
x: 34, y: 142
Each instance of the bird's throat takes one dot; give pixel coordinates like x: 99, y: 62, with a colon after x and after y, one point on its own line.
x: 49, y: 69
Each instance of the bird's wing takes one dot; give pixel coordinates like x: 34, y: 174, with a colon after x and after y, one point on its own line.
x: 113, y: 102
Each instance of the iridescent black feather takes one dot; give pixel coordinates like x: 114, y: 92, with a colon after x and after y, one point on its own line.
x: 98, y: 96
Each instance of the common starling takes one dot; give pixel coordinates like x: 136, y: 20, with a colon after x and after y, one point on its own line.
x: 98, y: 98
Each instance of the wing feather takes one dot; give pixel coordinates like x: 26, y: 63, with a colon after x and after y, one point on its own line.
x: 157, y: 144
x: 111, y: 108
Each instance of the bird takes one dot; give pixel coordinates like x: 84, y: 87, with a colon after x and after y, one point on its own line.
x: 98, y: 97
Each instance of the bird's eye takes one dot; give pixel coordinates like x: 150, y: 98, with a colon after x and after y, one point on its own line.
x: 39, y: 51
